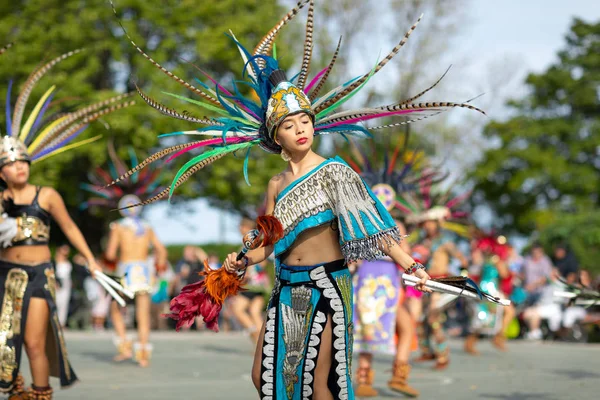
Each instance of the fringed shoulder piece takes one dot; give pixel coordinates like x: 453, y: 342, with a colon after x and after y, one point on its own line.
x: 333, y: 191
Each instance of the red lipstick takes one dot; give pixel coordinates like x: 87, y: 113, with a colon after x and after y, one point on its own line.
x: 302, y: 140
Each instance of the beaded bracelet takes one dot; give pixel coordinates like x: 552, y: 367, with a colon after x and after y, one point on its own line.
x: 414, y: 267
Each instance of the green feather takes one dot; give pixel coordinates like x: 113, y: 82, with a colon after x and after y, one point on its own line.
x: 204, y: 156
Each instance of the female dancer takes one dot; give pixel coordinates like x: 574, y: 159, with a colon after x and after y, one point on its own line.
x: 379, y: 314
x: 328, y: 213
x: 27, y: 280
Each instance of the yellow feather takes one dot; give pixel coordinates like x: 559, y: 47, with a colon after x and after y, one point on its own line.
x: 44, y: 133
x: 69, y: 147
x: 34, y: 114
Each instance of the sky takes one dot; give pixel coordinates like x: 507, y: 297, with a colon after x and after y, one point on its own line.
x: 509, y: 35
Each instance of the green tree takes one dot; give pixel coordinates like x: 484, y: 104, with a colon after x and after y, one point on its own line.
x: 170, y: 31
x: 546, y: 161
x: 581, y: 231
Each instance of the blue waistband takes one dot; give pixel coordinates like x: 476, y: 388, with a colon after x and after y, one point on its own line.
x: 299, y: 274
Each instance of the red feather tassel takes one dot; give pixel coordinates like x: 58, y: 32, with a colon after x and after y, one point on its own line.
x: 205, y: 298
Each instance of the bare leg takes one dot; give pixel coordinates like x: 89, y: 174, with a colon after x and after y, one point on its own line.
x: 35, y: 341
x: 401, y: 371
x: 321, y: 374
x: 142, y: 314
x: 256, y: 365
x: 415, y: 308
x: 406, y: 331
x: 239, y: 305
x: 256, y: 311
x: 123, y: 347
x: 117, y: 320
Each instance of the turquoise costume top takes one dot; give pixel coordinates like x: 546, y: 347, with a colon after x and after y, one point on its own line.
x: 334, y: 191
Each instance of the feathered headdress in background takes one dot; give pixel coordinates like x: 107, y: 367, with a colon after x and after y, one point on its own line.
x: 140, y: 184
x: 243, y: 122
x: 43, y: 133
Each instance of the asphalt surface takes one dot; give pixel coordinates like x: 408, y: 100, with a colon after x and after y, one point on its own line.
x: 202, y: 365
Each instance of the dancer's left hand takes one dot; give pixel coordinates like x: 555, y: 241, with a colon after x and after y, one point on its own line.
x: 424, y: 276
x: 93, y: 267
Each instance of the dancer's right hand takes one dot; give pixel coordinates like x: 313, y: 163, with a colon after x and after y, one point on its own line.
x: 231, y: 265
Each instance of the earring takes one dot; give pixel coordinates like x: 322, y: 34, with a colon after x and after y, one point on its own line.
x: 285, y: 156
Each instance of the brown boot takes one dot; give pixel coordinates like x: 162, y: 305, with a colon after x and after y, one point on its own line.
x: 123, y: 350
x: 470, y: 343
x: 18, y: 391
x: 399, y: 383
x: 424, y: 357
x: 37, y: 393
x: 364, y: 379
x: 442, y: 359
x: 143, y: 353
x: 499, y: 342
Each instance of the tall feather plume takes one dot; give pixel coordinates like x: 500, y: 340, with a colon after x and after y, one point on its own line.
x: 315, y: 92
x: 28, y: 88
x: 118, y: 163
x: 401, y: 123
x: 151, y: 159
x: 71, y: 118
x: 428, y: 89
x: 182, y: 179
x: 59, y: 135
x: 265, y: 45
x: 379, y: 66
x: 171, y: 112
x: 162, y: 69
x: 308, y: 46
x: 429, y: 105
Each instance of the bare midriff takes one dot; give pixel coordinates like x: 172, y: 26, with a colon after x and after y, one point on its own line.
x: 439, y: 262
x: 26, y: 254
x: 315, y: 246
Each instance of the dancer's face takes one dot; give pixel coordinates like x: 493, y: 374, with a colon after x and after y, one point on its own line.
x: 16, y: 172
x: 295, y: 133
x: 431, y: 228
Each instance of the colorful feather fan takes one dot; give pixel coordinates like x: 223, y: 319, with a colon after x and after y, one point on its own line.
x: 43, y: 134
x: 145, y: 183
x: 239, y: 121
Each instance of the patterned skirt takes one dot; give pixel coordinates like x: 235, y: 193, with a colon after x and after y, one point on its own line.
x: 303, y: 299
x: 376, y: 291
x: 18, y: 284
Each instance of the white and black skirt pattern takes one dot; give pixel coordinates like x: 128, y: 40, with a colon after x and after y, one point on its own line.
x: 296, y: 318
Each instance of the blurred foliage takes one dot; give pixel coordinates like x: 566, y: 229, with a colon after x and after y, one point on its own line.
x: 581, y: 232
x: 546, y: 163
x: 175, y: 252
x: 171, y: 31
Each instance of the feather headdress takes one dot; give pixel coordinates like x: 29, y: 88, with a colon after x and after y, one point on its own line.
x: 400, y: 171
x: 429, y: 202
x: 145, y: 183
x: 43, y: 133
x: 246, y: 121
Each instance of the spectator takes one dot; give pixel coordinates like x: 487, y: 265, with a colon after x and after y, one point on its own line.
x: 188, y: 268
x: 547, y: 308
x: 213, y: 261
x: 566, y: 262
x: 164, y: 282
x: 537, y: 271
x: 64, y: 283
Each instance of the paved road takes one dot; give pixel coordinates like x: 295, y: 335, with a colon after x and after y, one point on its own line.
x: 217, y: 366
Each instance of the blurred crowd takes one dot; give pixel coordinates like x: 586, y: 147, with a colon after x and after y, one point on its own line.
x: 83, y: 304
x: 530, y: 281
